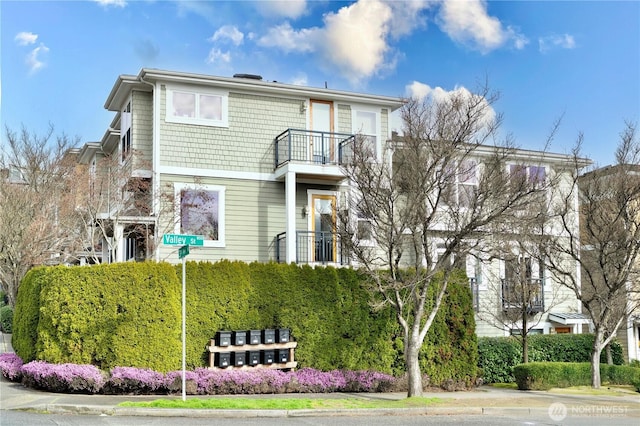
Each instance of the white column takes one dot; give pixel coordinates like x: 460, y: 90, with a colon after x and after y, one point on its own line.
x: 290, y: 206
x: 118, y: 237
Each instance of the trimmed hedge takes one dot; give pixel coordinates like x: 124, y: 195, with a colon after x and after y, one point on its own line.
x: 107, y: 315
x: 498, y: 355
x: 547, y: 375
x: 449, y: 356
x: 129, y: 315
x: 6, y: 319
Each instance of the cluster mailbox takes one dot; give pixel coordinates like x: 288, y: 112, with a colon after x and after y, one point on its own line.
x: 271, y: 348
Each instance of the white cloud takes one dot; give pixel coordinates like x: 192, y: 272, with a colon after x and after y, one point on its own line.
x: 26, y: 38
x: 421, y: 91
x: 355, y: 39
x: 115, y: 3
x: 564, y: 41
x: 291, y: 9
x: 289, y: 40
x: 468, y: 23
x: 217, y: 56
x: 229, y: 32
x: 34, y: 59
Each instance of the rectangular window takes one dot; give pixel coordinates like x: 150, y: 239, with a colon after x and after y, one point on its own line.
x: 462, y: 186
x: 201, y: 212
x: 191, y: 106
x: 366, y: 123
x: 125, y: 132
x: 534, y: 175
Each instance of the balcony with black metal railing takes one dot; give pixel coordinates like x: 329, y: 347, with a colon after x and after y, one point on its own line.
x: 319, y: 153
x: 313, y: 247
x: 528, y: 294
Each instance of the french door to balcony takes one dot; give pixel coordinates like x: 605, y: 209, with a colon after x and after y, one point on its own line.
x: 321, y: 144
x: 323, y: 225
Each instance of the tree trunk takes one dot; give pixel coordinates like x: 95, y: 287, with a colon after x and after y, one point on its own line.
x: 414, y: 374
x: 595, y: 361
x: 609, y: 354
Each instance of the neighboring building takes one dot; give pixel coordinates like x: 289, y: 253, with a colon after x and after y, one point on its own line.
x: 254, y: 167
x: 628, y: 304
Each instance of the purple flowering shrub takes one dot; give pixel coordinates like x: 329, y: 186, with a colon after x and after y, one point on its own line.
x: 137, y: 381
x: 11, y: 366
x: 72, y: 378
x: 67, y: 378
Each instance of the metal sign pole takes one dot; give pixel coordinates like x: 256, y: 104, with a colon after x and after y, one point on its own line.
x: 184, y: 329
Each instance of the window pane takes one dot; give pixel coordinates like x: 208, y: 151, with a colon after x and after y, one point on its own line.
x: 199, y: 213
x: 468, y: 172
x: 364, y: 230
x: 537, y: 174
x: 211, y: 107
x: 184, y: 104
x: 366, y: 122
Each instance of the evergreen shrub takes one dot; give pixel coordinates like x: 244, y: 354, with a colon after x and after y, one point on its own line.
x: 498, y: 355
x: 547, y: 375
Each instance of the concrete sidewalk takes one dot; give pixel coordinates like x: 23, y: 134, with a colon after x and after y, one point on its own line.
x: 486, y: 400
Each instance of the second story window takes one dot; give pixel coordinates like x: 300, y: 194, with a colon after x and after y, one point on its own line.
x: 125, y: 132
x: 462, y: 187
x: 189, y: 106
x: 367, y: 123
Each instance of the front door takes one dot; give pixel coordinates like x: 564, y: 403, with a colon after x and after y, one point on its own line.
x: 321, y: 145
x: 323, y: 224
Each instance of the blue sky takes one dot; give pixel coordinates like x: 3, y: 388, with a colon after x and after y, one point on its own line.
x: 575, y: 59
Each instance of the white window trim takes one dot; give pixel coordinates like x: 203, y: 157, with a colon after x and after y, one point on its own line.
x: 170, y: 118
x: 179, y: 187
x: 355, y: 108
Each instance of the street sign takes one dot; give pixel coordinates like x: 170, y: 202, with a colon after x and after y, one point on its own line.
x: 182, y: 240
x: 183, y: 251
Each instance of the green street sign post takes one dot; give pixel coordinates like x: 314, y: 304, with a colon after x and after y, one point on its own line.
x: 185, y: 241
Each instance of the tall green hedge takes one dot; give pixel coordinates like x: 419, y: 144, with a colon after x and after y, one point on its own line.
x: 121, y: 314
x: 451, y: 346
x: 129, y: 314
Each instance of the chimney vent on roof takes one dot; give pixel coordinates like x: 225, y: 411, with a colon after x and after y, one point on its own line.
x: 249, y: 76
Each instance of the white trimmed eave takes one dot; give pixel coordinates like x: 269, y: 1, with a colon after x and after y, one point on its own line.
x: 272, y: 88
x: 121, y: 90
x: 87, y: 152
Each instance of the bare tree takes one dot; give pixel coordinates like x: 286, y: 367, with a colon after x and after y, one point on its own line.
x: 521, y: 299
x: 117, y: 206
x: 36, y: 202
x: 606, y: 244
x: 436, y: 194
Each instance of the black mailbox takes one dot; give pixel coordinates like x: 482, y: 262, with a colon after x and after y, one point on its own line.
x: 223, y: 338
x: 223, y: 359
x: 255, y: 337
x: 283, y: 356
x: 253, y: 357
x: 239, y: 338
x: 267, y: 357
x: 238, y: 359
x: 282, y: 335
x: 268, y: 336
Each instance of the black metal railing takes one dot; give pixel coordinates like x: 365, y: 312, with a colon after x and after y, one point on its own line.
x: 313, y: 247
x: 519, y: 294
x: 311, y: 146
x: 473, y: 284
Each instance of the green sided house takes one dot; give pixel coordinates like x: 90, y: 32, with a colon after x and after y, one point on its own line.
x: 251, y: 165
x: 254, y: 168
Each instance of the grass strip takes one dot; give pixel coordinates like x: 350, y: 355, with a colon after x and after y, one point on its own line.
x: 281, y: 403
